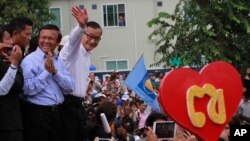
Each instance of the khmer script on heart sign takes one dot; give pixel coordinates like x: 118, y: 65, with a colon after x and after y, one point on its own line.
x: 202, y: 102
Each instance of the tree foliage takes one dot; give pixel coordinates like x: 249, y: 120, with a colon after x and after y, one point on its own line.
x: 216, y: 29
x: 36, y: 10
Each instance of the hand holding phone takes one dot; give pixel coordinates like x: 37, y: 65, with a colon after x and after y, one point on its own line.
x: 9, y: 50
x: 5, y: 49
x: 164, y: 129
x: 151, y: 136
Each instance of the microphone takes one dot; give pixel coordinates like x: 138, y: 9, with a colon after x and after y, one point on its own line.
x: 105, y: 123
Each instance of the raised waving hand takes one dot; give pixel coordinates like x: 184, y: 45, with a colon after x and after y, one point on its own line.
x: 81, y: 15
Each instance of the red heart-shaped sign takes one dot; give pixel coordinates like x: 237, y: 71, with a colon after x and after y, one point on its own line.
x: 202, y: 102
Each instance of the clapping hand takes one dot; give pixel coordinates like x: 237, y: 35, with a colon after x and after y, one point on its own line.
x: 49, y: 64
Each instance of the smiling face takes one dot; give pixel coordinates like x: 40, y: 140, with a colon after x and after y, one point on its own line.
x: 48, y: 40
x: 91, y: 38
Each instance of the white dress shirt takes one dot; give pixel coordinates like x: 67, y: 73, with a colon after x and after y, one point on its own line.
x: 77, y: 60
x: 7, y: 81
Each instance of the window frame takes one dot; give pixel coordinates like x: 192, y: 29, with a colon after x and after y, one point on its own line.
x: 116, y: 64
x: 117, y: 13
x: 60, y: 10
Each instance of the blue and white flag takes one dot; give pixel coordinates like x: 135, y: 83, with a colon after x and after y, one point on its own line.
x: 139, y: 82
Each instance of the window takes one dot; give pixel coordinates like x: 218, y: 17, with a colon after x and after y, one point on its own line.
x: 57, y: 13
x: 117, y: 65
x: 94, y: 6
x: 81, y: 6
x: 114, y: 15
x: 159, y: 3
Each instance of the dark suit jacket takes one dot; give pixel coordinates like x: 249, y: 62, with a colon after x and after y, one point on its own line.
x: 10, y: 111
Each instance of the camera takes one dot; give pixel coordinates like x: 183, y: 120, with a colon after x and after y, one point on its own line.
x: 8, y: 51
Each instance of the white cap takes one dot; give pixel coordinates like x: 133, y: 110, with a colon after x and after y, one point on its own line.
x: 125, y: 97
x: 64, y: 40
x: 99, y: 95
x: 97, y: 78
x: 137, y: 138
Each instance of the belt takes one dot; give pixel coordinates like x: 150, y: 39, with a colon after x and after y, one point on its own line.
x: 73, y: 98
x: 52, y: 108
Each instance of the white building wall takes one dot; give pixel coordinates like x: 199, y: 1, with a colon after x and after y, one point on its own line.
x: 119, y: 43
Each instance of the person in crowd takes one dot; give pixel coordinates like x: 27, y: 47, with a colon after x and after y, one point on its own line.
x: 91, y: 92
x: 105, y: 81
x: 121, y: 20
x: 235, y: 121
x: 159, y: 76
x: 181, y: 134
x: 76, y: 53
x: 141, y: 116
x: 151, y: 76
x: 125, y: 100
x: 92, y: 108
x: 246, y: 80
x: 124, y: 125
x: 114, y: 85
x: 97, y: 86
x: 10, y: 86
x: 110, y: 110
x: 134, y: 109
x: 46, y: 79
x: 123, y: 87
x: 20, y: 29
x: 224, y: 136
x: 247, y: 76
x: 243, y: 110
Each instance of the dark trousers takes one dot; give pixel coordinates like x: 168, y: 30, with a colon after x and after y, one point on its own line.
x: 74, y: 119
x: 41, y: 123
x: 11, y: 135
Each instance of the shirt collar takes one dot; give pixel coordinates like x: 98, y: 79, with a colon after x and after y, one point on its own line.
x: 85, y: 52
x: 42, y: 55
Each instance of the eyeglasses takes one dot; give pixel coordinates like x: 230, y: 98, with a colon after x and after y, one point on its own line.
x: 90, y: 37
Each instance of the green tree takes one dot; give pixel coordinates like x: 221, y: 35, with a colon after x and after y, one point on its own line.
x: 37, y: 10
x: 214, y: 29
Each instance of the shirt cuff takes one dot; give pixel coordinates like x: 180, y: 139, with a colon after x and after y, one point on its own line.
x: 13, y: 66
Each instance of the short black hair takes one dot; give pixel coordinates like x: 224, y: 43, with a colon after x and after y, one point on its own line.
x: 52, y: 27
x: 153, y: 117
x: 18, y: 24
x: 93, y: 24
x: 109, y: 109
